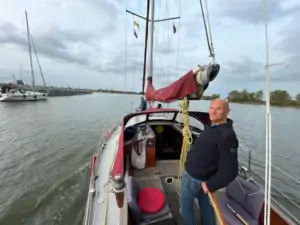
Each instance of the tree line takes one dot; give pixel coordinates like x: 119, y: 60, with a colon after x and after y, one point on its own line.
x: 277, y: 97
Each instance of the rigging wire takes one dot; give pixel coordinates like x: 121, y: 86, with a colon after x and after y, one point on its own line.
x: 156, y: 32
x: 178, y: 42
x: 208, y: 39
x: 209, y: 30
x: 134, y: 67
x: 37, y: 59
x: 127, y: 110
x: 168, y: 38
x: 163, y: 61
x: 159, y: 58
x: 135, y: 46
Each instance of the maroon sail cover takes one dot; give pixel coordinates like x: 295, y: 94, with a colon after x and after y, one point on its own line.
x: 185, y: 86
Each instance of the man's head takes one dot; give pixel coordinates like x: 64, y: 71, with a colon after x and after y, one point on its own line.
x: 142, y: 97
x: 218, y: 111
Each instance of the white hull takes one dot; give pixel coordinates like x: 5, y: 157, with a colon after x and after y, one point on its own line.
x: 21, y: 97
x: 104, y: 204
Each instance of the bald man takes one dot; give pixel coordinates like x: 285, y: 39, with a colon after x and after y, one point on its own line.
x: 211, y: 163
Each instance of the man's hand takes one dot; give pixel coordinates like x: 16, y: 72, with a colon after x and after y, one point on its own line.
x: 204, y: 187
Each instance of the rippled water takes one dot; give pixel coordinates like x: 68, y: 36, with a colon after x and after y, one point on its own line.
x: 45, y: 149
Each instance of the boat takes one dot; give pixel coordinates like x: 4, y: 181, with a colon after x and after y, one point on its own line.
x: 136, y: 170
x: 15, y: 93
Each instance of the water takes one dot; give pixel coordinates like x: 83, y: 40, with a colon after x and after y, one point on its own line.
x: 45, y: 149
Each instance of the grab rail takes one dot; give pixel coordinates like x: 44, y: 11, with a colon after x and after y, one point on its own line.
x: 217, y: 209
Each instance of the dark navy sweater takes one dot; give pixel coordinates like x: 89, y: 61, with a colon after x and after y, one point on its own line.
x: 213, y: 157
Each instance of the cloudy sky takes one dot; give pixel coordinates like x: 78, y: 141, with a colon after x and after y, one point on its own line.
x: 90, y: 43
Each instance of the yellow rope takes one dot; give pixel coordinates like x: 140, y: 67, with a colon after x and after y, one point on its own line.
x: 105, y: 203
x: 187, y: 138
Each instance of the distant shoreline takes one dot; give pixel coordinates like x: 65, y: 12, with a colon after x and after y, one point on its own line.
x: 278, y: 98
x: 117, y: 92
x: 294, y: 104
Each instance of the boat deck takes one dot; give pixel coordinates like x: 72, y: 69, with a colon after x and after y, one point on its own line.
x: 156, y: 177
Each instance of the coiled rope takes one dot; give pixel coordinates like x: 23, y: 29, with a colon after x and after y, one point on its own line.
x: 187, y: 137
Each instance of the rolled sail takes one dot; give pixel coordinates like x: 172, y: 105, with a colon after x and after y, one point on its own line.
x: 192, y: 84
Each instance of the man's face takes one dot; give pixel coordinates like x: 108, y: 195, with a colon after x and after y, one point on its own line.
x: 218, y: 111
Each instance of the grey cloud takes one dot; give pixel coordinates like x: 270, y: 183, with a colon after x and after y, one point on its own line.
x: 166, y: 76
x: 116, y: 64
x: 165, y: 48
x: 53, y: 43
x: 251, y: 71
x: 290, y: 37
x: 194, y: 26
x: 290, y: 46
x: 10, y: 34
x: 252, y: 11
x: 110, y: 9
x: 245, y: 66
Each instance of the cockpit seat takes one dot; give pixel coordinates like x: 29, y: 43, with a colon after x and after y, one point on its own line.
x: 146, y: 205
x: 243, y: 197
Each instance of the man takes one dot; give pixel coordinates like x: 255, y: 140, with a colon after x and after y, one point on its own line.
x: 143, y: 105
x: 211, y: 164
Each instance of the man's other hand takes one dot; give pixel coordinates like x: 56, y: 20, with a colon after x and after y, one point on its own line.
x: 204, y: 187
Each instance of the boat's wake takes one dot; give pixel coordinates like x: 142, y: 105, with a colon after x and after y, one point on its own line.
x: 62, y: 204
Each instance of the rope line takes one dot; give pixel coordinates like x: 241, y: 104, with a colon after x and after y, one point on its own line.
x: 187, y: 138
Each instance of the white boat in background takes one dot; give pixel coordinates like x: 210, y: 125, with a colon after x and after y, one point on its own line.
x: 14, y: 93
x: 17, y: 96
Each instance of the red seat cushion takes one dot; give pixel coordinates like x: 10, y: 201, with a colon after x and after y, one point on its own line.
x: 151, y: 200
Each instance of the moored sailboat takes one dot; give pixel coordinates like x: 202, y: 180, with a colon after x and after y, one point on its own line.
x: 13, y: 93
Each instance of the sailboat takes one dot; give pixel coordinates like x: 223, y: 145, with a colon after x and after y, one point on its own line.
x: 136, y: 169
x: 16, y: 93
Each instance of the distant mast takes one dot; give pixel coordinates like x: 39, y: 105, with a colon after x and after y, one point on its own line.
x: 21, y: 72
x: 29, y: 47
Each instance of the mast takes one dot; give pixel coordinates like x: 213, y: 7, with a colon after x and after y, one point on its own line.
x: 29, y: 47
x: 145, y: 49
x: 151, y: 40
x: 268, y: 130
x: 21, y: 73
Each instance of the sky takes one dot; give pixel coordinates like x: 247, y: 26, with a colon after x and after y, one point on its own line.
x: 91, y: 43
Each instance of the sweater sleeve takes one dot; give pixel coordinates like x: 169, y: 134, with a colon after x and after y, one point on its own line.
x: 227, y: 165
